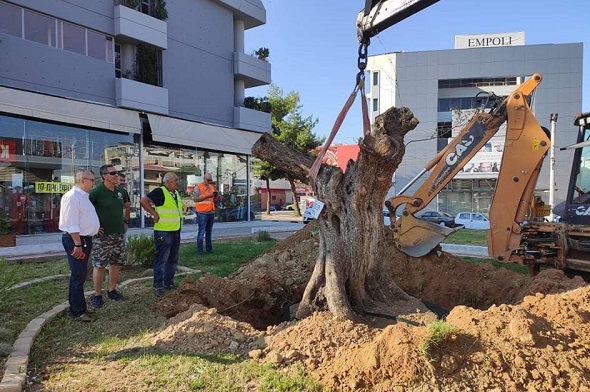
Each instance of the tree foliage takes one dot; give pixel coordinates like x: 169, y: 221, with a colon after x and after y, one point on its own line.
x: 291, y: 128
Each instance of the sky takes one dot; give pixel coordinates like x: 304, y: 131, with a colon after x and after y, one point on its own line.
x: 314, y: 49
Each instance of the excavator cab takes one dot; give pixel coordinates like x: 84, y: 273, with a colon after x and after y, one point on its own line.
x: 577, y: 207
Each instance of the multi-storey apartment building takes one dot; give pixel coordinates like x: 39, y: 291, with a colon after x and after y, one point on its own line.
x: 441, y: 86
x: 147, y: 85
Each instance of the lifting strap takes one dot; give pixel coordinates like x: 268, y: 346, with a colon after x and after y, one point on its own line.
x: 360, y: 86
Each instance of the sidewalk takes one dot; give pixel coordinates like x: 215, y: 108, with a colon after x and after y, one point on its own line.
x: 48, y: 245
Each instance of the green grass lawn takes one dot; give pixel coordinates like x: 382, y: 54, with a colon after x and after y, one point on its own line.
x: 468, y: 237
x: 75, y: 355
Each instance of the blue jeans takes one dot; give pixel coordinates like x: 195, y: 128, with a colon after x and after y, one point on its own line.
x: 78, y: 271
x: 167, y: 247
x: 205, y: 220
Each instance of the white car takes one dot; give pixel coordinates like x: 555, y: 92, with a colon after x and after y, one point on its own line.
x: 473, y: 220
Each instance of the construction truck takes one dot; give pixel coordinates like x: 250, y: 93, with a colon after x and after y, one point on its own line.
x: 518, y: 231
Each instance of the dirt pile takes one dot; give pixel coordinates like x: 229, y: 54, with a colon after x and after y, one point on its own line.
x: 506, y: 337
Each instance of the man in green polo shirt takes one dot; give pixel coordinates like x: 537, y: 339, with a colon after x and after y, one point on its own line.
x: 113, y: 207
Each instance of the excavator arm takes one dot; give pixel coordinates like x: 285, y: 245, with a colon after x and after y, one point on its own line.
x: 519, y: 172
x: 378, y: 15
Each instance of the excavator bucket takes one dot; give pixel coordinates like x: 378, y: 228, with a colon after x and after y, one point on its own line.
x: 416, y: 237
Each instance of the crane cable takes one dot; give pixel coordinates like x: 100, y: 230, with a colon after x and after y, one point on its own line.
x: 359, y: 86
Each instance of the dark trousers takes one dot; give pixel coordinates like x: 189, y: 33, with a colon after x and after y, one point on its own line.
x: 205, y: 220
x: 78, y: 271
x: 167, y: 247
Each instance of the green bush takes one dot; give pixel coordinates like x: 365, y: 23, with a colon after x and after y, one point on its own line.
x: 141, y: 250
x: 261, y: 236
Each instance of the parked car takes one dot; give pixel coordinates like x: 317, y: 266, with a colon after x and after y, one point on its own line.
x: 258, y: 207
x: 308, y: 217
x: 235, y: 214
x: 440, y: 218
x: 473, y: 220
x: 190, y: 216
x: 386, y: 218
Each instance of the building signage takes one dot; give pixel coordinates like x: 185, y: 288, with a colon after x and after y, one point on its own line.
x: 53, y: 187
x: 489, y: 40
x: 7, y: 151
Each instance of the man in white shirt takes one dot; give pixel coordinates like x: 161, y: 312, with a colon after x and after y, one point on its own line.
x: 79, y: 222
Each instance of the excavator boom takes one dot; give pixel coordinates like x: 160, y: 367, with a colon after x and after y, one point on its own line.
x: 381, y: 14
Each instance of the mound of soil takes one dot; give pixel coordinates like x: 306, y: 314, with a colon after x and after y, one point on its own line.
x: 511, y: 332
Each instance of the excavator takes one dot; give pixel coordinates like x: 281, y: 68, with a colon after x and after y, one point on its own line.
x: 519, y: 232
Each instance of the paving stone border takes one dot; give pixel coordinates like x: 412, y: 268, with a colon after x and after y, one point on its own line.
x: 15, y: 369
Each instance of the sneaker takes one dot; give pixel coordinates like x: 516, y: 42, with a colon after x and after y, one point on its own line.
x: 84, y: 317
x: 159, y: 292
x: 97, y: 301
x: 115, y: 296
x: 170, y: 287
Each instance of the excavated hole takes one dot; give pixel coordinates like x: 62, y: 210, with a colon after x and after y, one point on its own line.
x: 263, y: 292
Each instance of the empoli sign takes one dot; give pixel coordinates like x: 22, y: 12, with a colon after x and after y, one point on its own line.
x: 489, y: 40
x: 53, y: 187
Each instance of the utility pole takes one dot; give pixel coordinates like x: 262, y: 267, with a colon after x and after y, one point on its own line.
x: 553, y: 120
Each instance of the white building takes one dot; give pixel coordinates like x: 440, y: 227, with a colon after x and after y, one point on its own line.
x: 433, y: 83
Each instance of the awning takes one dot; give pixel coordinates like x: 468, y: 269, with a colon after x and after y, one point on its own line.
x: 47, y: 107
x: 206, y: 136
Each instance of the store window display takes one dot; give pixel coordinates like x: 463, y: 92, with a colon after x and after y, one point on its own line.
x: 38, y: 166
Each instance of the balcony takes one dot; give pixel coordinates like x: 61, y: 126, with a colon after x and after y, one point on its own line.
x: 252, y: 71
x: 141, y: 96
x: 132, y: 26
x: 251, y: 120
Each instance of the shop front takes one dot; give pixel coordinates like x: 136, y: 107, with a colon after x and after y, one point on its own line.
x: 38, y: 162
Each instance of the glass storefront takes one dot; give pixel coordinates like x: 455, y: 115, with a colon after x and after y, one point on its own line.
x: 229, y: 171
x: 38, y: 162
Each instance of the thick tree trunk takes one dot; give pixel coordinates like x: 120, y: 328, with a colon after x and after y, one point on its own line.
x: 351, y: 278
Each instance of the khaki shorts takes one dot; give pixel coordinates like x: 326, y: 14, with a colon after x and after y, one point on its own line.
x: 108, y: 249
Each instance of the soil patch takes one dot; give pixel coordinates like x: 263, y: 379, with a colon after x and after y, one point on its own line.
x: 512, y: 332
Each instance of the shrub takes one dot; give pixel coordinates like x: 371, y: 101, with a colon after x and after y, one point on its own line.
x: 141, y: 250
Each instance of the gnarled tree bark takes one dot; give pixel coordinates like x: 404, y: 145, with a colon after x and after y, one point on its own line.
x: 351, y: 277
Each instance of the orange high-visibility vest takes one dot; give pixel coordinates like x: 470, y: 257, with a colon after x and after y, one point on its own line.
x: 207, y: 205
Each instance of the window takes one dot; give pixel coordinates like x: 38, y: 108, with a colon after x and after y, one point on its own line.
x: 40, y: 28
x: 375, y: 78
x: 477, y: 82
x: 100, y: 46
x: 54, y: 32
x: 11, y: 20
x: 117, y: 60
x: 73, y: 38
x: 444, y: 130
x: 375, y: 104
x: 147, y: 6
